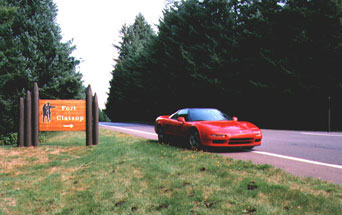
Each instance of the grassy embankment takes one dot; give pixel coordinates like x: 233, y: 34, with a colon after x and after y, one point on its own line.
x: 128, y: 175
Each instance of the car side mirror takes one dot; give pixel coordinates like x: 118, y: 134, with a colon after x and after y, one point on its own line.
x: 181, y: 119
x: 235, y: 118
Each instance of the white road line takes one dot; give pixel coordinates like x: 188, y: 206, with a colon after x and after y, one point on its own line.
x: 324, y: 134
x: 298, y: 159
x: 257, y: 152
x: 132, y: 130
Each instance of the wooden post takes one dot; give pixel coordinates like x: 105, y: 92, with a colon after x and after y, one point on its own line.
x: 35, y: 116
x: 89, y: 117
x: 21, y: 122
x: 28, y: 121
x: 95, y: 121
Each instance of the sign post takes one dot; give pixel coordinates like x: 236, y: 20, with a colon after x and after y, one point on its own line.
x: 28, y: 120
x: 21, y: 128
x: 96, y: 121
x: 89, y: 127
x: 35, y: 128
x: 329, y: 121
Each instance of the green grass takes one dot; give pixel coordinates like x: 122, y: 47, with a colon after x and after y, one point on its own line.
x: 128, y: 175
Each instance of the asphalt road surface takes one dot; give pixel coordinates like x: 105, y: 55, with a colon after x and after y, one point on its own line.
x: 302, y: 153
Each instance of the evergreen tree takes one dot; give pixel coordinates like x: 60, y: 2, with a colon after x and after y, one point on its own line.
x: 32, y: 51
x: 290, y: 53
x: 128, y: 71
x: 198, y: 43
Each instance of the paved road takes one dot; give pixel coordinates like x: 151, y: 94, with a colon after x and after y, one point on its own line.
x: 318, y: 146
x: 306, y: 154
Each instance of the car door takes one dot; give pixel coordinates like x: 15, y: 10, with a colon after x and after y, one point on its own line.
x: 176, y: 127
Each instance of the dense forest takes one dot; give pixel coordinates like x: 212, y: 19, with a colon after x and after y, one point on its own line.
x: 276, y: 63
x: 31, y: 51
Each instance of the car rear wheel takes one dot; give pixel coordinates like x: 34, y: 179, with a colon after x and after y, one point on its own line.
x: 195, y: 140
x: 161, y: 136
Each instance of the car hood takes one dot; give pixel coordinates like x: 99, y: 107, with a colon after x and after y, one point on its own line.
x: 231, y: 127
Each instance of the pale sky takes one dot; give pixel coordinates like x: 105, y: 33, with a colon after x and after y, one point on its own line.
x: 94, y: 27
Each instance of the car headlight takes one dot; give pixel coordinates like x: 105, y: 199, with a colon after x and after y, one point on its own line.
x: 257, y: 132
x: 217, y: 135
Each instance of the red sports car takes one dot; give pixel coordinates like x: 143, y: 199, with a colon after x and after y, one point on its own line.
x: 208, y: 127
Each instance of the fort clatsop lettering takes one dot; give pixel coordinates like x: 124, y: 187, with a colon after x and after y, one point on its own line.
x: 62, y: 115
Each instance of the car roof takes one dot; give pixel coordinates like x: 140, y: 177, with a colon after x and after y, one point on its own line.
x: 189, y: 109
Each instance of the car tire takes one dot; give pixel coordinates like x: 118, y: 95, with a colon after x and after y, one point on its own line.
x: 161, y: 136
x: 195, y: 140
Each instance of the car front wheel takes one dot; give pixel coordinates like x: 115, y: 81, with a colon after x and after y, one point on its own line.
x: 195, y: 140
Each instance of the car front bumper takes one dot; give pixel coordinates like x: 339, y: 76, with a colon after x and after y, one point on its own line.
x: 245, y: 140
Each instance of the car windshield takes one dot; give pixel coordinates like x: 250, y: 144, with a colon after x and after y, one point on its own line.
x: 207, y: 115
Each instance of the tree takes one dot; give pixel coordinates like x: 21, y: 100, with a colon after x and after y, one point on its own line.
x: 32, y: 51
x: 198, y: 43
x: 128, y: 71
x: 296, y: 55
x: 8, y: 53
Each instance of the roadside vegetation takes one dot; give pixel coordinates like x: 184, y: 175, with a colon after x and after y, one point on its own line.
x: 129, y: 175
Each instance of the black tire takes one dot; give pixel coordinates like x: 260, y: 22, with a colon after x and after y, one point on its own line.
x: 195, y: 140
x: 161, y: 136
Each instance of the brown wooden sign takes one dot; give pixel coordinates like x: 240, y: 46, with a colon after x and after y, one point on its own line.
x: 62, y: 115
x: 57, y: 115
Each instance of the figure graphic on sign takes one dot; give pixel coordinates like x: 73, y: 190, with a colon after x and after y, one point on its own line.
x: 47, y: 111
